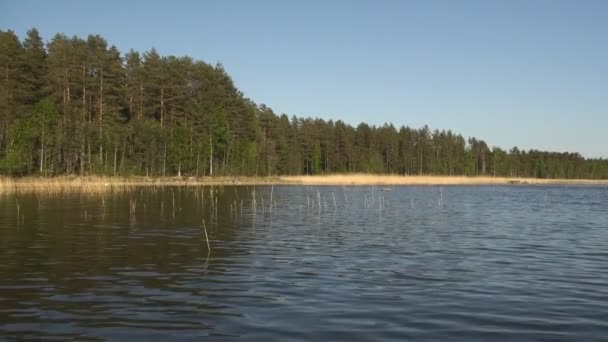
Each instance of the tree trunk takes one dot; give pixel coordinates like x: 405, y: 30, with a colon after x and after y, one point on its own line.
x: 101, y: 117
x: 198, y: 152
x: 179, y: 165
x: 191, y: 150
x: 165, y: 159
x: 122, y: 156
x: 90, y: 161
x: 42, y: 150
x: 162, y: 106
x: 130, y: 107
x: 104, y: 163
x: 64, y: 98
x: 141, y: 99
x: 82, y: 156
x: 210, y: 157
x: 84, y: 118
x: 7, y: 114
x: 115, y: 154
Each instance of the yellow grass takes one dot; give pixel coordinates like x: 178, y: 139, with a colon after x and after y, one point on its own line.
x: 104, y: 184
x: 92, y: 184
x: 368, y: 179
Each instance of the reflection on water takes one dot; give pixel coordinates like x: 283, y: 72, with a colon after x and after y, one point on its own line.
x: 327, y: 263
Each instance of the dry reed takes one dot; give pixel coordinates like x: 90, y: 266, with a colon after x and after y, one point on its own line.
x: 369, y: 179
x: 92, y: 184
x: 206, y: 237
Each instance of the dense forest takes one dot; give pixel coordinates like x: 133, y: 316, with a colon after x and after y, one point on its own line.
x: 78, y: 106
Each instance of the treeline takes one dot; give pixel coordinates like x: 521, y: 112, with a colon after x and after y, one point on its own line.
x: 76, y: 106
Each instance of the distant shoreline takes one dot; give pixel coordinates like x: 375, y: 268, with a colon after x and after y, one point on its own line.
x: 101, y: 184
x: 366, y: 179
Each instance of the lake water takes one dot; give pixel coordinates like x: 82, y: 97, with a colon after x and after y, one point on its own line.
x: 321, y: 263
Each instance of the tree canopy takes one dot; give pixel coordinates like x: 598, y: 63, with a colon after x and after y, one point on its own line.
x: 79, y: 106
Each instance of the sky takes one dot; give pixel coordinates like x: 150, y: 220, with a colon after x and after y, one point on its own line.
x: 529, y: 73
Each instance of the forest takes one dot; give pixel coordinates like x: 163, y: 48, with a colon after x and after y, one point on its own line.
x: 75, y: 106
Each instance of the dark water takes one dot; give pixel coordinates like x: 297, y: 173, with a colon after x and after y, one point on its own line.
x: 416, y: 263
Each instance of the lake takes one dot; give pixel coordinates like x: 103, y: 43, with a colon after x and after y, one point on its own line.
x: 307, y: 263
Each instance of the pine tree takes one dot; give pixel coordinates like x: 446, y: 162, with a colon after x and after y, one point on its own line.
x: 11, y: 53
x: 33, y: 72
x: 78, y: 106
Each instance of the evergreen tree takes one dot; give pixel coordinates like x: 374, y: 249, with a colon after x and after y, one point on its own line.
x: 11, y: 53
x: 78, y: 106
x: 33, y: 70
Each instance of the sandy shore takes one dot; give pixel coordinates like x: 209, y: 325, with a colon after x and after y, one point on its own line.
x: 102, y: 184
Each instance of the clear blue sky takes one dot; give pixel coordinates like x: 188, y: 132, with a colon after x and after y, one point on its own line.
x: 527, y: 73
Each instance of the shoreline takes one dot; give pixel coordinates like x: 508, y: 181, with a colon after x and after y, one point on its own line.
x: 102, y: 184
x: 365, y: 179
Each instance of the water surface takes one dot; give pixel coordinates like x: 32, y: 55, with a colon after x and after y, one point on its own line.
x: 307, y: 263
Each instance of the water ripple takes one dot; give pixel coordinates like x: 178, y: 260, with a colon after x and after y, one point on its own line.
x: 416, y: 263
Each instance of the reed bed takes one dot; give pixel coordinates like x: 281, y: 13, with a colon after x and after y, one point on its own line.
x: 92, y: 184
x: 387, y: 180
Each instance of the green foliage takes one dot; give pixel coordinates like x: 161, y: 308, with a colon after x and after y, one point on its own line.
x: 78, y: 106
x: 13, y: 163
x: 23, y: 134
x: 45, y: 112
